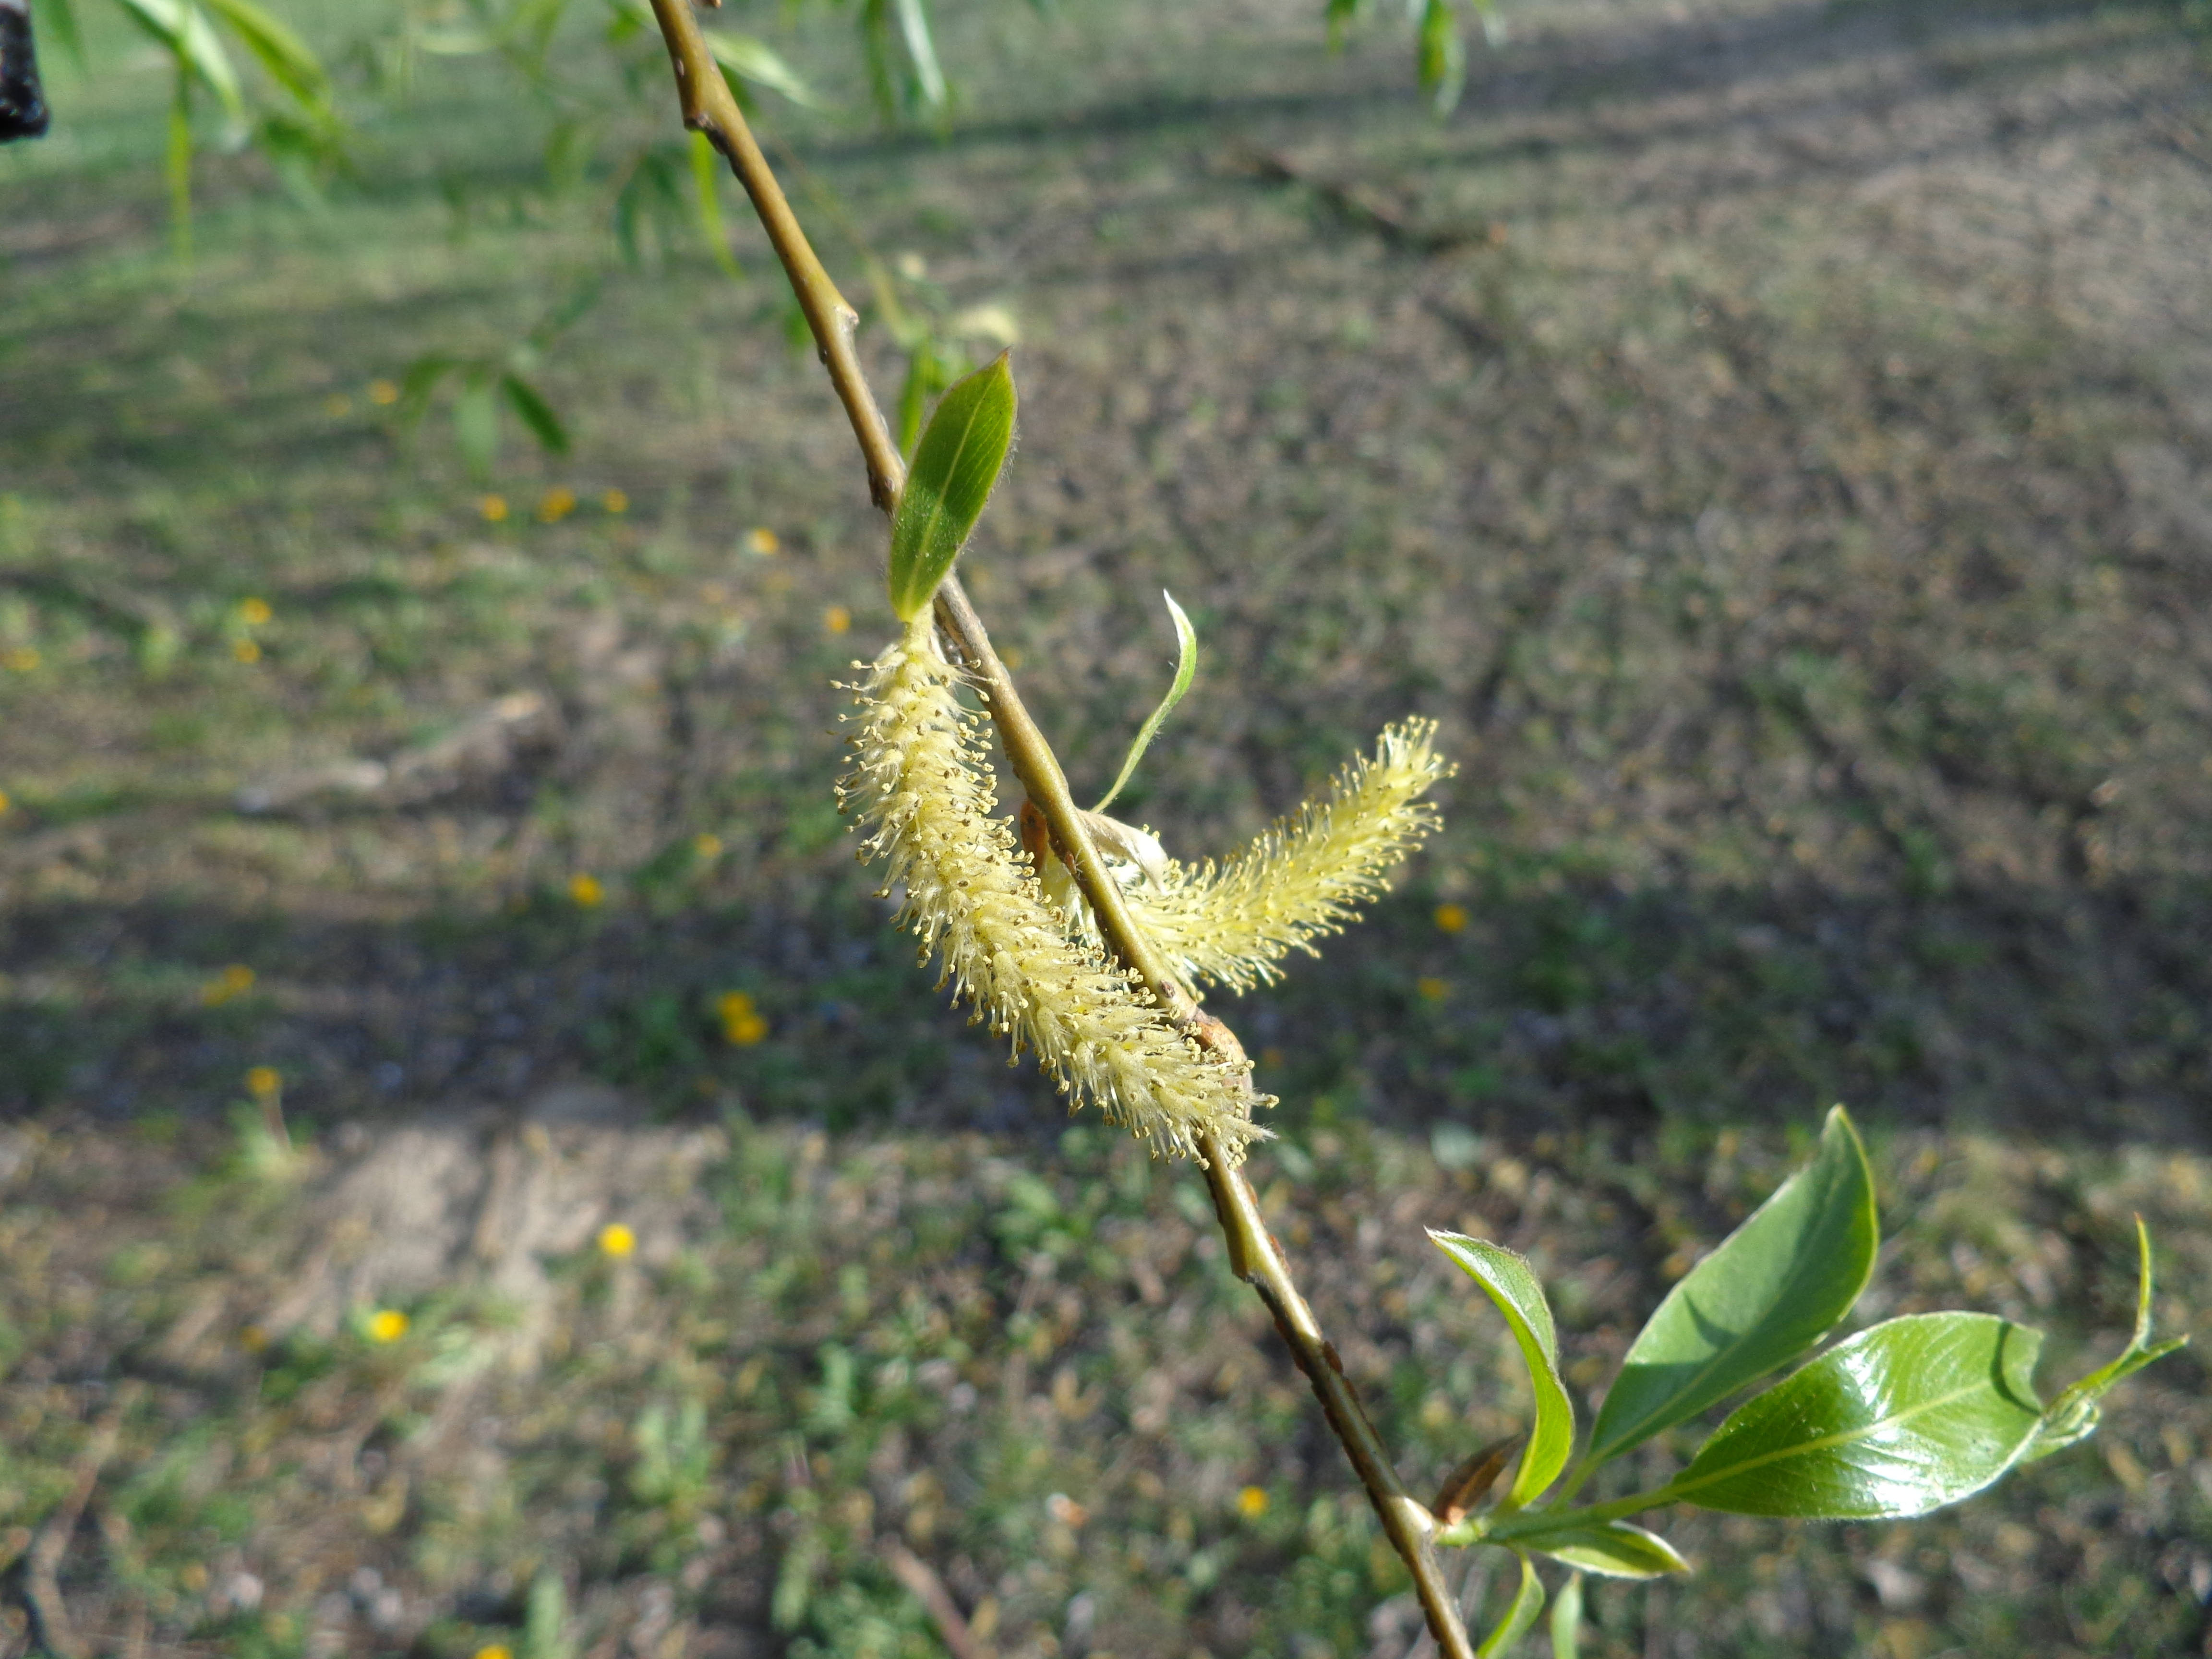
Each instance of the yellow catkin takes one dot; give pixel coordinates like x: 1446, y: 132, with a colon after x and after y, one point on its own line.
x: 1302, y: 876
x: 921, y: 789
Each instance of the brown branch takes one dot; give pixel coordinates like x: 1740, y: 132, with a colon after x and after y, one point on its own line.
x: 1254, y: 1255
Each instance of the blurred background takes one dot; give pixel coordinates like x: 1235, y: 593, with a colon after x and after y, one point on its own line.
x: 479, y: 1174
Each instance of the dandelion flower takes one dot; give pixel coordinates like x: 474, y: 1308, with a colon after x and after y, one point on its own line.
x: 586, y: 891
x: 705, y: 846
x: 616, y: 1240
x: 492, y: 508
x: 247, y: 650
x: 1252, y: 1503
x: 254, y: 613
x: 742, y: 1025
x: 1451, y: 918
x: 387, y: 1325
x: 836, y: 619
x: 556, y: 504
x: 614, y: 500
x: 922, y: 791
x: 264, y: 1081
x: 761, y: 540
x: 1431, y: 990
x: 383, y: 393
x: 4, y: 802
x: 232, y: 981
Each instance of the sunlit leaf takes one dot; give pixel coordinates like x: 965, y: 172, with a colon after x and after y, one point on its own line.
x: 2074, y: 1415
x: 1615, y: 1550
x: 1520, y: 1617
x: 1567, y: 1619
x: 913, y: 26
x: 1775, y: 1286
x: 956, y: 465
x: 1511, y: 1284
x: 1443, y: 55
x: 282, y: 53
x: 756, y: 61
x: 1186, y: 667
x: 535, y: 413
x: 183, y: 28
x: 1900, y: 1420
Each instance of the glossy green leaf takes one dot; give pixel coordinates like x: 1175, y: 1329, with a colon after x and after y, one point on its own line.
x: 1528, y: 1602
x: 1186, y: 668
x: 1775, y: 1285
x: 755, y: 60
x: 536, y: 413
x: 1900, y: 1420
x: 1615, y: 1550
x: 1567, y: 1619
x: 1511, y: 1284
x: 2074, y: 1415
x: 954, y: 467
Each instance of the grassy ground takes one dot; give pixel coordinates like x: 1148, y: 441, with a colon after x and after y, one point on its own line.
x: 1771, y: 440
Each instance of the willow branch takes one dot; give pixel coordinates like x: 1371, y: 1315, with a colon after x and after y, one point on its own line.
x: 1254, y: 1255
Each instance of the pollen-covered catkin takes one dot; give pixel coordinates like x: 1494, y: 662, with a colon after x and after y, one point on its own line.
x: 921, y: 789
x: 1301, y: 877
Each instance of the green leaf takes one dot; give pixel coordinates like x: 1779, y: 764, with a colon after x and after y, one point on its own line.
x: 1614, y: 1549
x: 1511, y: 1284
x: 180, y: 25
x: 476, y: 423
x: 1341, y: 14
x: 1567, y: 1619
x: 2073, y: 1416
x: 536, y: 413
x: 286, y: 57
x: 1443, y: 56
x: 706, y: 174
x: 1775, y: 1285
x: 1528, y: 1602
x: 955, y: 466
x: 1902, y: 1419
x: 929, y: 79
x: 1186, y: 667
x: 756, y: 61
x: 58, y: 19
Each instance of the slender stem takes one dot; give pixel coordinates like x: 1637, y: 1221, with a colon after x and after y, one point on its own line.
x: 1536, y: 1524
x: 1254, y: 1255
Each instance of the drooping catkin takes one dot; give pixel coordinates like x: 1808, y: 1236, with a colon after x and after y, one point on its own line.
x: 1300, y: 877
x: 921, y: 789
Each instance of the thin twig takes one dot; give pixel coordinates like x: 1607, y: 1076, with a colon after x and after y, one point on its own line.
x: 922, y: 1582
x: 1254, y: 1255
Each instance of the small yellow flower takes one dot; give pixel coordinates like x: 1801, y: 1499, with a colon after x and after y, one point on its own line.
x: 614, y: 500
x: 617, y: 1240
x: 836, y: 619
x: 254, y: 613
x: 247, y: 650
x: 705, y: 846
x: 496, y: 1650
x: 253, y: 1340
x: 556, y: 504
x: 761, y: 540
x: 264, y: 1081
x: 234, y: 980
x: 21, y: 659
x: 1432, y: 988
x: 493, y: 509
x: 1450, y: 918
x: 742, y: 1025
x: 1252, y: 1503
x: 338, y: 405
x: 383, y: 393
x: 4, y: 802
x: 586, y: 891
x: 387, y: 1325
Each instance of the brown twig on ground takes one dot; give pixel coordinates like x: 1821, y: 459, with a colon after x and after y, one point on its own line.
x: 709, y: 107
x: 42, y: 1586
x: 922, y: 1582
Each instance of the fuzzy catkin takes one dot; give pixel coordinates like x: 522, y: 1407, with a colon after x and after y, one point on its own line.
x: 1301, y: 877
x: 921, y: 789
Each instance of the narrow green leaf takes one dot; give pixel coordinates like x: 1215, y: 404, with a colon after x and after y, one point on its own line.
x: 1341, y: 14
x: 2074, y: 1415
x: 1186, y: 667
x: 476, y: 423
x: 177, y: 165
x: 1775, y: 1285
x: 706, y: 190
x: 1443, y: 56
x: 58, y: 19
x: 1511, y: 1284
x: 756, y: 61
x: 1614, y: 1549
x: 1567, y: 1619
x: 537, y: 414
x: 288, y: 58
x: 927, y: 373
x: 181, y: 26
x: 954, y: 467
x: 1900, y: 1420
x: 1528, y: 1602
x: 929, y: 79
